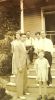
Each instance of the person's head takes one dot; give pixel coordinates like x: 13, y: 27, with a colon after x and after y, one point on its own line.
x: 32, y: 35
x: 18, y: 33
x: 37, y: 35
x: 23, y: 37
x: 17, y: 36
x: 41, y: 54
x: 43, y: 35
x: 28, y: 34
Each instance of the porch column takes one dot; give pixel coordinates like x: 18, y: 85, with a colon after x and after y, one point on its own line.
x: 42, y: 21
x: 22, y: 16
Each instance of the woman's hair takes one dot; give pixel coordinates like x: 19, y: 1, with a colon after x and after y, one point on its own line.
x: 37, y: 33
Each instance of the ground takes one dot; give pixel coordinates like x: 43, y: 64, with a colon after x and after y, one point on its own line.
x: 33, y: 94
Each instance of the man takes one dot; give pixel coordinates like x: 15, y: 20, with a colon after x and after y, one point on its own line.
x: 37, y: 42
x: 29, y: 46
x: 47, y: 46
x: 19, y: 63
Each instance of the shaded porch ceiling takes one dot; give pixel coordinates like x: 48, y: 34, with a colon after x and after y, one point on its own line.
x: 31, y: 3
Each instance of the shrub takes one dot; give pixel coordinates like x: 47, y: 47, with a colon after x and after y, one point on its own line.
x: 5, y: 57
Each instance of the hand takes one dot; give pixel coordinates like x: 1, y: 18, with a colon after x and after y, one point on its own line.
x: 20, y: 69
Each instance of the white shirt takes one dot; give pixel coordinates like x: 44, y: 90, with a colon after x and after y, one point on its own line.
x: 37, y: 44
x: 46, y: 45
x: 29, y: 42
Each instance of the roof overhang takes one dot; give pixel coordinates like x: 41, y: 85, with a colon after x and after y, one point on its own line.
x: 2, y: 0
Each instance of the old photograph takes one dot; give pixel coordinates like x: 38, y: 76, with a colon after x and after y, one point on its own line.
x: 27, y: 49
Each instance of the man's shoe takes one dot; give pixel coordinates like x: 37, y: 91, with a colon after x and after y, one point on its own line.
x: 22, y: 97
x: 27, y: 93
x: 50, y: 85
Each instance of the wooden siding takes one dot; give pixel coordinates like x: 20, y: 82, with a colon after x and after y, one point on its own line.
x: 32, y: 22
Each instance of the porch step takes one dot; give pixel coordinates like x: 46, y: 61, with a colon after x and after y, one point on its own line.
x: 31, y: 82
x: 53, y: 65
x: 32, y: 72
x: 53, y: 72
x: 11, y: 87
x: 12, y: 78
x: 50, y: 90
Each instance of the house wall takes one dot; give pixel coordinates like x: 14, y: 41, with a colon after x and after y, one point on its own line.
x: 32, y: 22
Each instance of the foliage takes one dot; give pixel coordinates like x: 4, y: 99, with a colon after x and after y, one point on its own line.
x: 5, y: 56
x: 9, y: 17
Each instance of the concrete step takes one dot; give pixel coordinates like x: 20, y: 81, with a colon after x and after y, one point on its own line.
x: 53, y: 65
x: 50, y: 90
x: 11, y: 87
x: 12, y: 78
x: 53, y: 59
x: 32, y: 72
x: 53, y: 72
x: 53, y: 54
x: 31, y: 82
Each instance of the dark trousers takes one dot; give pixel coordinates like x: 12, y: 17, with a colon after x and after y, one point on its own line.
x: 30, y: 50
x: 48, y: 56
x: 31, y: 54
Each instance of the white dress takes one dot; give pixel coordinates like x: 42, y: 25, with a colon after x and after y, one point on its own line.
x: 41, y: 66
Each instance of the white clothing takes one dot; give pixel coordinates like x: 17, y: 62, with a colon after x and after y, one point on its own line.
x: 19, y: 55
x: 37, y: 45
x: 29, y: 42
x: 46, y: 45
x: 41, y: 66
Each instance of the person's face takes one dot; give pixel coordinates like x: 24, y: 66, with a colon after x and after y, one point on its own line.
x: 41, y: 54
x: 38, y: 36
x: 28, y: 34
x: 23, y: 38
x: 43, y: 35
x: 32, y: 35
x: 17, y: 36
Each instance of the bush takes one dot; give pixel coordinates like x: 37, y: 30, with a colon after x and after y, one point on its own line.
x: 5, y: 57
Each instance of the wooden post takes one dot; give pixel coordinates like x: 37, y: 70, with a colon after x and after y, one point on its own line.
x: 42, y: 21
x: 22, y: 16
